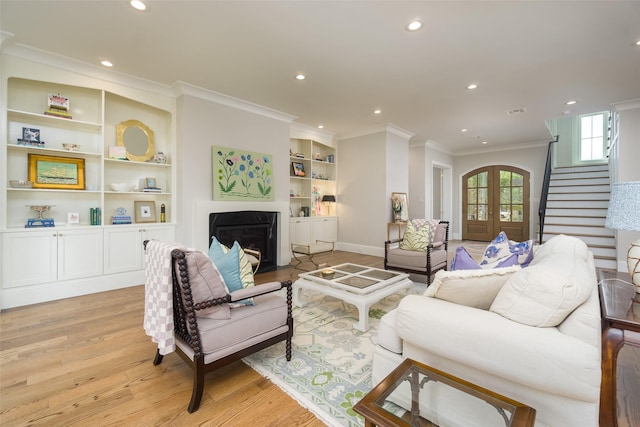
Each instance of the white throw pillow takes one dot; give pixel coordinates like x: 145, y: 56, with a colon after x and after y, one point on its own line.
x: 473, y: 288
x: 544, y: 295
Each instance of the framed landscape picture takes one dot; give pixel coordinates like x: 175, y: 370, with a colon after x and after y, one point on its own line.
x: 62, y: 173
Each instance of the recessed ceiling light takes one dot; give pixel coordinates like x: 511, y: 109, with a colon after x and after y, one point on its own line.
x: 320, y: 126
x: 638, y: 43
x: 301, y: 76
x: 377, y: 111
x: 472, y: 86
x: 414, y: 25
x: 106, y: 63
x: 571, y: 102
x: 137, y: 4
x: 463, y: 130
x: 484, y: 142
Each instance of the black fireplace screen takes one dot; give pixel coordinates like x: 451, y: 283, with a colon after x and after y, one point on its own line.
x: 256, y: 230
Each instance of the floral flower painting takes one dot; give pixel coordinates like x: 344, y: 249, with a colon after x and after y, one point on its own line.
x: 242, y: 175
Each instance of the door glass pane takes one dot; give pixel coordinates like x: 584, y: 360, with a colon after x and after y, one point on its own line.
x: 505, y: 195
x: 483, y: 179
x: 472, y: 181
x: 516, y: 195
x: 483, y: 196
x: 482, y: 212
x: 472, y: 212
x: 472, y: 196
x: 505, y: 213
x: 517, y: 213
x: 505, y: 178
x: 517, y: 180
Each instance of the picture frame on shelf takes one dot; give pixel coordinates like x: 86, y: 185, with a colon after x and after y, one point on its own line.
x: 298, y: 169
x: 30, y: 134
x: 73, y: 218
x: 145, y: 211
x: 151, y: 182
x: 400, y: 207
x: 55, y: 172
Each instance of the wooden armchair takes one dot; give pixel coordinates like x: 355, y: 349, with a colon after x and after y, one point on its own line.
x: 207, y: 332
x: 419, y: 262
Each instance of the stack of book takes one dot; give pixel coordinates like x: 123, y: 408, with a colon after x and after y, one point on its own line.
x: 120, y: 219
x: 152, y: 190
x: 58, y: 106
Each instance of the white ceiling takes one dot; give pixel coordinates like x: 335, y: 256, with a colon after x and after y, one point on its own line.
x: 357, y: 55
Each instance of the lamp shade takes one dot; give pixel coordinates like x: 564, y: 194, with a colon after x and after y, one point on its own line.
x: 624, y: 206
x: 328, y: 198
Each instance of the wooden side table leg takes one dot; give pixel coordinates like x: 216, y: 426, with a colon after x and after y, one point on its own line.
x: 612, y: 340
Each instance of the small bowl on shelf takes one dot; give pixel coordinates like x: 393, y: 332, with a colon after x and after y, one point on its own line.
x: 16, y: 183
x: 121, y: 187
x: 71, y: 147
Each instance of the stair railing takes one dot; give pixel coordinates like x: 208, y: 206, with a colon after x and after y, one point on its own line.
x: 542, y: 209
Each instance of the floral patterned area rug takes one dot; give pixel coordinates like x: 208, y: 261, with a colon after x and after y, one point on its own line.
x: 330, y: 368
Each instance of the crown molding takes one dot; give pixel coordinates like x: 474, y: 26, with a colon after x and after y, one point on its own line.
x: 388, y: 128
x: 311, y: 130
x: 431, y: 145
x: 65, y: 63
x: 626, y: 105
x: 502, y: 148
x: 183, y: 88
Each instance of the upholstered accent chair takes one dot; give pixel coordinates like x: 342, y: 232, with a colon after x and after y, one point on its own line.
x: 211, y: 327
x: 423, y: 259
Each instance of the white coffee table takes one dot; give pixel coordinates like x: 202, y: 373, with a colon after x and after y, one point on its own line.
x: 356, y: 284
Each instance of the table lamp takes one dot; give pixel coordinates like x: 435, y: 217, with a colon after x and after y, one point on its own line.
x: 328, y: 199
x: 624, y: 214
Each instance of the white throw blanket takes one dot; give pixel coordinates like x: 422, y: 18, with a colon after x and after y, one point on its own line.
x: 158, y: 295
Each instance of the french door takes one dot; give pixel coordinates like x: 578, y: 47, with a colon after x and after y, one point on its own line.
x: 495, y: 199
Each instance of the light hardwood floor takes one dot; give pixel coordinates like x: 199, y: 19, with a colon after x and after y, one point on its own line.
x: 86, y: 361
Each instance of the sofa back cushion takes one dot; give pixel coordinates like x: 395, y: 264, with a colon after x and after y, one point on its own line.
x: 473, y: 288
x: 551, y: 288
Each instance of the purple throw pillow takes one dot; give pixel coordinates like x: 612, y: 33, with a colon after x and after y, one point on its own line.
x: 462, y: 260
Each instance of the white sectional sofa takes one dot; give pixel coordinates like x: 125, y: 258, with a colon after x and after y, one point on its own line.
x: 531, y: 334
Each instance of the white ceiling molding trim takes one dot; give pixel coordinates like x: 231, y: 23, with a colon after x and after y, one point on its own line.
x: 486, y: 149
x: 65, y: 63
x: 5, y: 37
x: 384, y: 128
x: 183, y: 88
x: 302, y: 129
x: 398, y: 131
x: 626, y: 105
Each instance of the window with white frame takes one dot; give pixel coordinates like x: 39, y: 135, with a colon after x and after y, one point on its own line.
x: 592, y: 137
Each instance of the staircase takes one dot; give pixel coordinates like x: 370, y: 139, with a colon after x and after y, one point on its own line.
x: 577, y: 206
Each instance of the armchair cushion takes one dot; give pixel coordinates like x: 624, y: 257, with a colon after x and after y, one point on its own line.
x: 234, y: 266
x: 246, y: 322
x: 415, y: 260
x: 473, y: 288
x: 206, y: 283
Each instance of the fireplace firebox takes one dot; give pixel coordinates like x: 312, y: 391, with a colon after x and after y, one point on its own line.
x: 256, y: 230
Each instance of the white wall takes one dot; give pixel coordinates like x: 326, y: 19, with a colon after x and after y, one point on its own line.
x: 206, y: 119
x: 370, y: 167
x: 361, y: 192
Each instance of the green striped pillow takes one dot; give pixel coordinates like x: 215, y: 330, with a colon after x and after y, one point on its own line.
x: 416, y: 236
